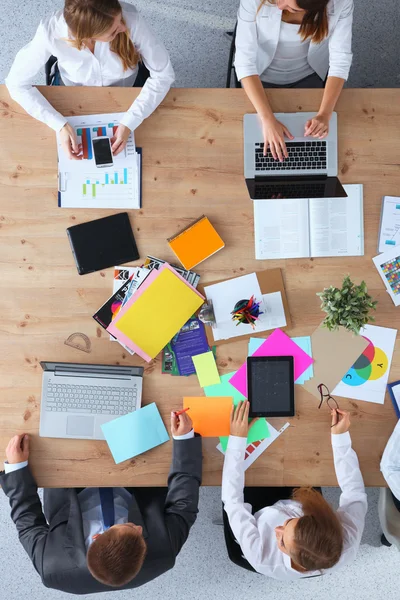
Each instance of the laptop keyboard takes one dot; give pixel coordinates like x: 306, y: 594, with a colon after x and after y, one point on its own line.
x: 302, y: 156
x: 265, y: 191
x: 87, y: 399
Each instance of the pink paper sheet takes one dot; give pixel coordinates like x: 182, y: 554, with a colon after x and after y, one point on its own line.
x: 278, y: 344
x: 146, y: 283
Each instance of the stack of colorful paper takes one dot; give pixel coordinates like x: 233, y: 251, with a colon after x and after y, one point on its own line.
x: 305, y: 344
x: 155, y: 312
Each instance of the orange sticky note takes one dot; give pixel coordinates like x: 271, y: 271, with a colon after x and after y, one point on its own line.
x: 210, y: 416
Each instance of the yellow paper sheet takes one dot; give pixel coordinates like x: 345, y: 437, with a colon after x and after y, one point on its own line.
x: 158, y: 314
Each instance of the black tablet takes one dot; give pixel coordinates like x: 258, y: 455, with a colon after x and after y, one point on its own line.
x: 270, y: 386
x: 102, y: 243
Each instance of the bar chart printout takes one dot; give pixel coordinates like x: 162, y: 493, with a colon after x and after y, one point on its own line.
x: 84, y: 185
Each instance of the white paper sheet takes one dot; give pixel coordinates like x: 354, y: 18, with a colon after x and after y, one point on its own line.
x: 254, y: 450
x: 224, y: 296
x: 390, y: 224
x: 367, y: 378
x: 84, y: 185
x: 388, y: 266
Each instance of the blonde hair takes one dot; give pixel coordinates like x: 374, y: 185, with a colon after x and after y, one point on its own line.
x: 314, y: 25
x: 318, y: 534
x: 91, y: 18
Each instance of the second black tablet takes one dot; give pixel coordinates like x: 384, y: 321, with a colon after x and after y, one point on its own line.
x: 102, y: 243
x: 270, y: 385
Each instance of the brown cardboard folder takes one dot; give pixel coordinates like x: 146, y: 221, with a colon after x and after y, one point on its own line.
x: 270, y: 281
x: 334, y: 352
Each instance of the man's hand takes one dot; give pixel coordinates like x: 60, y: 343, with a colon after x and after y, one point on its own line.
x: 18, y: 449
x: 180, y: 425
x: 118, y: 141
x: 340, y: 421
x: 317, y: 127
x: 69, y: 143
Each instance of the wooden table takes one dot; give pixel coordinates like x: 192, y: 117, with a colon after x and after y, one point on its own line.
x: 193, y: 163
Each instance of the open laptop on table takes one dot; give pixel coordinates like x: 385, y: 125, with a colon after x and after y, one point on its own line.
x: 309, y: 172
x: 77, y: 398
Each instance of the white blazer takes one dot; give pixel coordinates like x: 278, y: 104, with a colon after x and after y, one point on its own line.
x: 257, y: 39
x: 82, y: 67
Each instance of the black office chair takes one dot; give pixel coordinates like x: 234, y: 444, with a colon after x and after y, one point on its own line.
x: 53, y: 74
x: 231, y: 68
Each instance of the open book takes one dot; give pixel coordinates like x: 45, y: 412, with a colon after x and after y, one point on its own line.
x: 310, y: 227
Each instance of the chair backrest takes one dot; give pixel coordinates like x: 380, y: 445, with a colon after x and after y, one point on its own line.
x: 48, y: 69
x: 389, y: 517
x: 231, y: 67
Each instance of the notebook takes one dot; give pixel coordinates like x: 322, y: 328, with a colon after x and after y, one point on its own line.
x: 389, y: 227
x: 310, y: 227
x: 196, y: 242
x: 155, y: 312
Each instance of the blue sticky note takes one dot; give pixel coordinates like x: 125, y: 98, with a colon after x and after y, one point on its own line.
x: 135, y: 433
x: 305, y: 344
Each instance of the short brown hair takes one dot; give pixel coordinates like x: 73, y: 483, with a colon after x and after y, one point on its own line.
x: 116, y: 556
x: 318, y: 535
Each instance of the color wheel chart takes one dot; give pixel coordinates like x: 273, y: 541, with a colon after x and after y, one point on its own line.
x: 368, y: 376
x: 372, y: 364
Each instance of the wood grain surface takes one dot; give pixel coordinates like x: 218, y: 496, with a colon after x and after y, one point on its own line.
x: 192, y: 164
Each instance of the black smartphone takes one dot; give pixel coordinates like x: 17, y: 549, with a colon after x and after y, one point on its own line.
x: 102, y: 151
x: 270, y: 386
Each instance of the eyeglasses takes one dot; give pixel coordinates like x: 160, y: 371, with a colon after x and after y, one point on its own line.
x: 326, y: 395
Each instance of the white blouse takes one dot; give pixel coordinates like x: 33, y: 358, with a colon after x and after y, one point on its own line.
x: 82, y: 67
x: 258, y: 32
x: 255, y: 533
x: 390, y: 463
x: 290, y: 63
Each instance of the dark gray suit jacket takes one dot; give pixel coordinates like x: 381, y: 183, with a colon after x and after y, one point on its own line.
x: 57, y: 548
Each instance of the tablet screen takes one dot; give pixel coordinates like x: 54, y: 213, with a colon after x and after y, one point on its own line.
x: 270, y: 385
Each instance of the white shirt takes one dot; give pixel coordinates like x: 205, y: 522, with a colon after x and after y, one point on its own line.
x: 257, y: 39
x: 255, y: 533
x: 390, y: 463
x: 82, y: 67
x: 90, y: 505
x: 290, y: 63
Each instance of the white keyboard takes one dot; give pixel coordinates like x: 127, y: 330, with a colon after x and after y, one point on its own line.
x: 87, y: 399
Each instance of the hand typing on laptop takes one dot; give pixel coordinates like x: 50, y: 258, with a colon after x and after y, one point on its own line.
x: 274, y: 137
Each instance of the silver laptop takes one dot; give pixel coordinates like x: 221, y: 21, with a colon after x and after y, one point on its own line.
x: 310, y: 171
x: 77, y: 398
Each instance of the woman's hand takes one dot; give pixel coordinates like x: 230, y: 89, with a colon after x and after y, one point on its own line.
x: 181, y: 424
x: 340, y: 421
x: 274, y: 137
x: 240, y: 419
x: 317, y: 127
x: 18, y: 449
x: 69, y: 142
x: 118, y: 141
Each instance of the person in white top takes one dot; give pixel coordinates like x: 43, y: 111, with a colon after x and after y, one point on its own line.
x: 97, y: 43
x: 390, y: 465
x: 293, y: 43
x: 301, y: 536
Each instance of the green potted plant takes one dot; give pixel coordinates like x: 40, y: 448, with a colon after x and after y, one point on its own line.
x: 348, y: 306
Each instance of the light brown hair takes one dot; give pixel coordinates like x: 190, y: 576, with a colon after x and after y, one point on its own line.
x: 318, y: 535
x: 314, y: 25
x: 116, y: 556
x: 88, y: 19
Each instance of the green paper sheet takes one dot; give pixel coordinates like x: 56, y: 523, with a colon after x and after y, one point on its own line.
x: 259, y: 431
x: 206, y: 369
